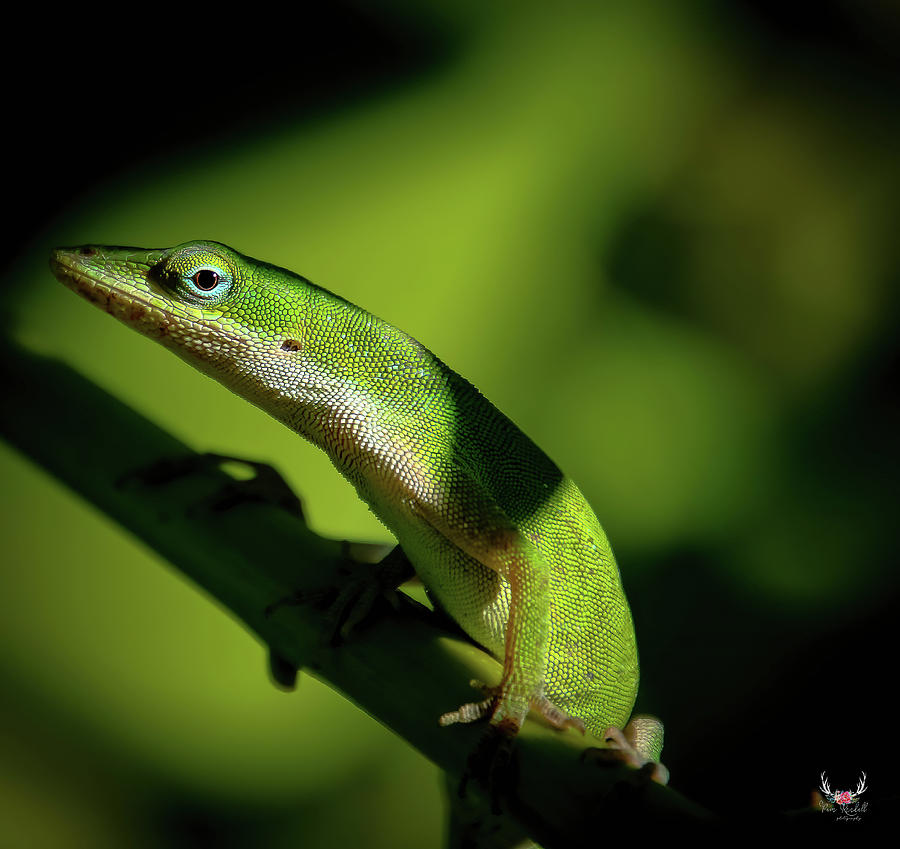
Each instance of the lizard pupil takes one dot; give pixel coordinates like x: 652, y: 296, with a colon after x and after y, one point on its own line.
x: 206, y: 279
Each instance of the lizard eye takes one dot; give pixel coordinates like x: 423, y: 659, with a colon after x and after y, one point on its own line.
x: 206, y: 279
x: 197, y: 277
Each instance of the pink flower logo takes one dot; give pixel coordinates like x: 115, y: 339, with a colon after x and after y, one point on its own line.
x: 845, y: 799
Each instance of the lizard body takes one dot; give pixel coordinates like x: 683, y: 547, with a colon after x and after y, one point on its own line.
x: 503, y: 540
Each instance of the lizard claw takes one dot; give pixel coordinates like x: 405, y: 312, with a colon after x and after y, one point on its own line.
x: 473, y: 711
x: 638, y: 746
x: 554, y: 716
x: 541, y: 705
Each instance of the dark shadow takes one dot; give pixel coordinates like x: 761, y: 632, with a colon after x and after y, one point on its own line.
x: 114, y: 93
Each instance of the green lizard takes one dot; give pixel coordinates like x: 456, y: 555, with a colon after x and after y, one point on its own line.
x: 502, y: 540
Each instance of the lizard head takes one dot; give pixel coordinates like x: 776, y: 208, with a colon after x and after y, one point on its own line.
x: 223, y: 312
x: 185, y: 295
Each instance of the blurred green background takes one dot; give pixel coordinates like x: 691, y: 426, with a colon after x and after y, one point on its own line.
x: 661, y: 236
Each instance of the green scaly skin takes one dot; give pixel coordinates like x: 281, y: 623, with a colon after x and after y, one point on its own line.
x: 503, y: 540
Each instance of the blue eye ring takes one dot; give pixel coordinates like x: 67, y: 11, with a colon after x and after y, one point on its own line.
x: 206, y: 279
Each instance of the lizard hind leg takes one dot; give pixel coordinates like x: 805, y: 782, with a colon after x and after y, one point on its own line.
x: 491, y: 763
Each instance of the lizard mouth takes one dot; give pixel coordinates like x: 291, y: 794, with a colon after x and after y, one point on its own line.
x: 65, y: 268
x: 128, y: 299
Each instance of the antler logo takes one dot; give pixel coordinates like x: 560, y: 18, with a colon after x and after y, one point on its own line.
x: 845, y: 799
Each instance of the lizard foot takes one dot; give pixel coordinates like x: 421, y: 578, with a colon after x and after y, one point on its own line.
x: 639, y: 746
x: 360, y: 588
x: 474, y: 711
x: 491, y: 763
x: 541, y: 705
x: 554, y: 716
